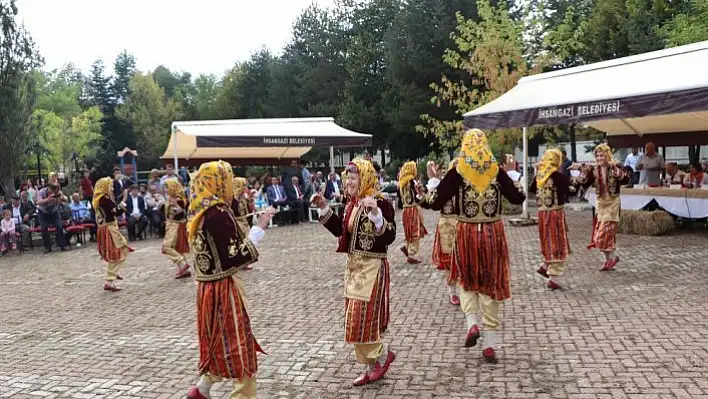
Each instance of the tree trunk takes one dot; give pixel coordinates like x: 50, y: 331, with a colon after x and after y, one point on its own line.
x: 7, y: 184
x: 694, y: 154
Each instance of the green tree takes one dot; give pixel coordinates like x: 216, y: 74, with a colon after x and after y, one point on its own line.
x: 98, y: 89
x: 124, y: 68
x: 18, y: 58
x: 150, y: 113
x: 490, y: 52
x: 206, y: 88
x: 687, y: 27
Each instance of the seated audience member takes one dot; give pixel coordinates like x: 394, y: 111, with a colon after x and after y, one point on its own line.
x: 333, y: 190
x: 697, y: 178
x: 154, y: 202
x: 136, y: 214
x: 22, y: 211
x: 276, y: 193
x: 7, y: 232
x: 297, y: 200
x: 674, y: 175
x: 80, y: 214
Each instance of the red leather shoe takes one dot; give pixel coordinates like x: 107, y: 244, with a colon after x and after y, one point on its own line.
x: 361, y: 380
x: 414, y: 261
x: 455, y: 300
x: 553, y: 285
x: 611, y: 264
x: 249, y: 267
x: 543, y: 271
x: 489, y: 355
x: 404, y: 250
x: 183, y: 272
x: 472, y: 337
x: 193, y: 393
x: 111, y: 288
x: 379, y: 371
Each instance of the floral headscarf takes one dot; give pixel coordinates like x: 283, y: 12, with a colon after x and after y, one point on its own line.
x: 368, y: 183
x: 175, y: 189
x: 550, y: 162
x: 212, y: 185
x: 408, y: 172
x: 476, y: 163
x: 104, y: 188
x: 604, y: 148
x: 240, y: 183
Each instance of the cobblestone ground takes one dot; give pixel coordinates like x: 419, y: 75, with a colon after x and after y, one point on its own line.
x: 640, y: 331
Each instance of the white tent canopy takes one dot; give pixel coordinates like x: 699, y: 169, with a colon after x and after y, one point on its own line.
x: 258, y: 138
x: 657, y: 92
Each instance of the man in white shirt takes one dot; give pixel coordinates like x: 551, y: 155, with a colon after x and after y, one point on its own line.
x: 136, y: 214
x: 333, y: 190
x: 169, y: 175
x: 650, y: 166
x: 631, y: 161
x: 296, y: 198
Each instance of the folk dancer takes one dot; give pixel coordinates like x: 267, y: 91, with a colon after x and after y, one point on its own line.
x: 241, y: 206
x: 112, y: 245
x: 444, y: 238
x: 227, y: 347
x: 409, y: 189
x: 365, y: 231
x: 480, y: 254
x: 607, y: 177
x: 552, y: 188
x: 175, y: 244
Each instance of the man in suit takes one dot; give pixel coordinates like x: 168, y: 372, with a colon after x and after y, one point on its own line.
x: 296, y: 198
x: 121, y: 184
x: 22, y: 211
x: 136, y: 214
x: 276, y: 193
x: 333, y: 191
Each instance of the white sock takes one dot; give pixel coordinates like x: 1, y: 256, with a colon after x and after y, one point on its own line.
x: 451, y: 290
x: 384, y: 355
x: 609, y: 256
x: 204, y: 387
x: 490, y: 339
x: 471, y: 320
x: 556, y: 279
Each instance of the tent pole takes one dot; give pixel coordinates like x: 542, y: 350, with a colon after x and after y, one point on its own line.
x: 174, y: 146
x: 525, y: 212
x: 331, y: 159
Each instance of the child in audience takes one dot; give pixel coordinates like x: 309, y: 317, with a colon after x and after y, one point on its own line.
x: 7, y: 232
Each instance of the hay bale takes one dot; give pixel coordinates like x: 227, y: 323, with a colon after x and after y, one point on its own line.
x: 645, y: 223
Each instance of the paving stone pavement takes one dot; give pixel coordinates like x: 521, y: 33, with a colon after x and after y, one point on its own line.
x: 638, y: 332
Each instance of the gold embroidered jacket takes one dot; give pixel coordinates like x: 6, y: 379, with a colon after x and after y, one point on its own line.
x: 473, y: 206
x: 604, y: 181
x: 108, y: 211
x: 220, y: 248
x: 362, y: 238
x: 175, y: 213
x: 554, y: 192
x: 408, y: 195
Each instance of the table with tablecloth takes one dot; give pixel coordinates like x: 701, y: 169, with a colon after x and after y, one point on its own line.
x: 685, y: 203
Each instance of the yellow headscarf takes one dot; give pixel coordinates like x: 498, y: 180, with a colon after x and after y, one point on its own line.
x: 175, y: 189
x: 368, y: 183
x: 103, y: 188
x: 476, y: 163
x: 408, y: 172
x: 212, y: 185
x: 607, y: 151
x: 239, y: 184
x: 550, y: 162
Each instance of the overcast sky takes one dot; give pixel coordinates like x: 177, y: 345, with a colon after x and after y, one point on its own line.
x: 204, y: 36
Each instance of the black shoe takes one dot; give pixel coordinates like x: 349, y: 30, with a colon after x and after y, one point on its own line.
x: 66, y: 248
x: 46, y: 251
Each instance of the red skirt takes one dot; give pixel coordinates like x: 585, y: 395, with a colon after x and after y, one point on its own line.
x: 604, y: 235
x: 227, y: 347
x: 413, y: 227
x: 553, y: 234
x: 364, y: 322
x: 107, y: 248
x: 182, y: 246
x: 480, y: 259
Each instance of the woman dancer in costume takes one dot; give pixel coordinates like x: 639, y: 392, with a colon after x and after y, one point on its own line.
x: 480, y: 254
x: 409, y: 189
x: 112, y: 245
x: 175, y: 244
x: 607, y: 177
x: 365, y: 231
x: 444, y: 235
x: 552, y: 188
x: 227, y: 347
